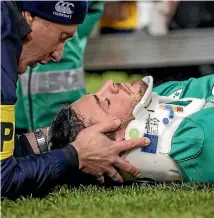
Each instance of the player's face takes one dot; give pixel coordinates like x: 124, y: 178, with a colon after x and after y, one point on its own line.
x: 112, y: 101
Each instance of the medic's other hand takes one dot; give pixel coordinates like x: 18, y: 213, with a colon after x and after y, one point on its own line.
x: 98, y: 155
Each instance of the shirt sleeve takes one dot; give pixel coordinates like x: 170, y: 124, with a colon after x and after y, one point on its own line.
x: 26, y: 176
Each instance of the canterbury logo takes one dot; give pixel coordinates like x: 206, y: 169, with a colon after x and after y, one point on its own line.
x: 63, y: 9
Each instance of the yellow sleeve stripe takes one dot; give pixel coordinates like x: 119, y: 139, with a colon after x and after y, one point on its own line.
x: 7, y: 118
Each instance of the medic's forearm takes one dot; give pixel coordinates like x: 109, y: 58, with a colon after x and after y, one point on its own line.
x: 26, y: 144
x: 32, y: 139
x: 23, y: 176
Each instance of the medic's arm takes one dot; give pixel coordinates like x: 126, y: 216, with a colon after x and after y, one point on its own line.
x: 23, y: 176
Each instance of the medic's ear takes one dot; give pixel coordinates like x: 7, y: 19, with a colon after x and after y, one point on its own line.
x: 28, y: 17
x: 27, y: 39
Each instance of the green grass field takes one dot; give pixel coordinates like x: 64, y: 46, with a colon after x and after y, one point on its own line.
x: 144, y: 201
x: 136, y: 201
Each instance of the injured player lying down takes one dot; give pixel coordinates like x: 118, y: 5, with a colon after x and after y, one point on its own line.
x: 181, y: 131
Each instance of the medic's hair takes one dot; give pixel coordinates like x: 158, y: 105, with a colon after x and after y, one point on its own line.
x: 65, y: 128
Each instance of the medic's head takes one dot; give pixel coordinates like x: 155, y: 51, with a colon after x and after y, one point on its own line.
x: 52, y: 23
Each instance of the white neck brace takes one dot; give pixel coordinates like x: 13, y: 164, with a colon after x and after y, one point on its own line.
x: 158, y: 119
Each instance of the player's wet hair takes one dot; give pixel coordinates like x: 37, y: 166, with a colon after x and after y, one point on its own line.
x: 65, y: 128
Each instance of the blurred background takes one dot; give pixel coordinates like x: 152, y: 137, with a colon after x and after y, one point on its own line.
x: 170, y: 40
x: 121, y: 41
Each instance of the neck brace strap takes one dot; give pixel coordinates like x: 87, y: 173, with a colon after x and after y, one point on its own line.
x: 157, y: 118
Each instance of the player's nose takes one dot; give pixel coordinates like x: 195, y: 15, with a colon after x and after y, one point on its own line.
x: 108, y: 87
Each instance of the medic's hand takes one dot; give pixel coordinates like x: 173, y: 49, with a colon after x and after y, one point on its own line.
x: 98, y: 155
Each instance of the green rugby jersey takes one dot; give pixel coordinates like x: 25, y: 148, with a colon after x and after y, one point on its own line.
x: 193, y: 142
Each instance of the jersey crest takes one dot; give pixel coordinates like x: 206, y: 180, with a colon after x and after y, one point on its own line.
x: 176, y: 94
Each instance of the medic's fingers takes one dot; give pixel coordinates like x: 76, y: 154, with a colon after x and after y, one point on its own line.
x: 99, y: 176
x: 114, y: 175
x: 104, y: 127
x: 100, y: 179
x: 127, y: 145
x: 127, y: 167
